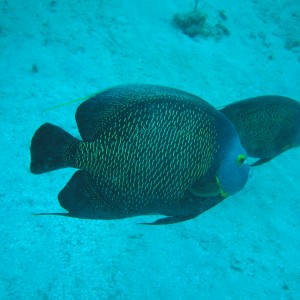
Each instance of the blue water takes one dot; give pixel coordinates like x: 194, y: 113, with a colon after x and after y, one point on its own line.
x: 52, y: 52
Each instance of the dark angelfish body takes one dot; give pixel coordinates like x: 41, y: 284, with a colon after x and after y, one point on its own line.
x: 267, y: 125
x: 145, y: 150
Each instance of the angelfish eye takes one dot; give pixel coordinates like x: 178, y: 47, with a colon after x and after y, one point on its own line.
x: 241, y: 159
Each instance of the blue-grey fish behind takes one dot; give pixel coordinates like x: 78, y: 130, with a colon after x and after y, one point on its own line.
x: 267, y: 125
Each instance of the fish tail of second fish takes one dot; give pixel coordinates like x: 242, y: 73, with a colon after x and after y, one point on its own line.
x: 48, y: 149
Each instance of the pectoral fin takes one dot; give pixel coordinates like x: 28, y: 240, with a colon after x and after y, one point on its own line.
x: 260, y: 162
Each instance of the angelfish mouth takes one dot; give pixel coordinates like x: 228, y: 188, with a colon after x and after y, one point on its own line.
x: 222, y: 192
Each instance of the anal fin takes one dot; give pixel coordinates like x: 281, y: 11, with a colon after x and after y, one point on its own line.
x: 79, y: 196
x: 83, y: 198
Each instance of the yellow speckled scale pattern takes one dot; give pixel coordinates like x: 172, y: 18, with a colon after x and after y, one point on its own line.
x: 147, y: 154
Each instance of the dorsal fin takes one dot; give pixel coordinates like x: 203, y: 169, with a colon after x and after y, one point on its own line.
x: 70, y: 102
x: 102, y: 106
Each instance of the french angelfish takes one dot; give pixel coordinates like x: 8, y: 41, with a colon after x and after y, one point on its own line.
x: 267, y: 125
x: 145, y: 150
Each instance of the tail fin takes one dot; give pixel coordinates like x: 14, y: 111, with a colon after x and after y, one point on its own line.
x: 48, y: 147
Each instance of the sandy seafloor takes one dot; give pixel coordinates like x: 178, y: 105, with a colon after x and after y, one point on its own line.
x: 247, y: 247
